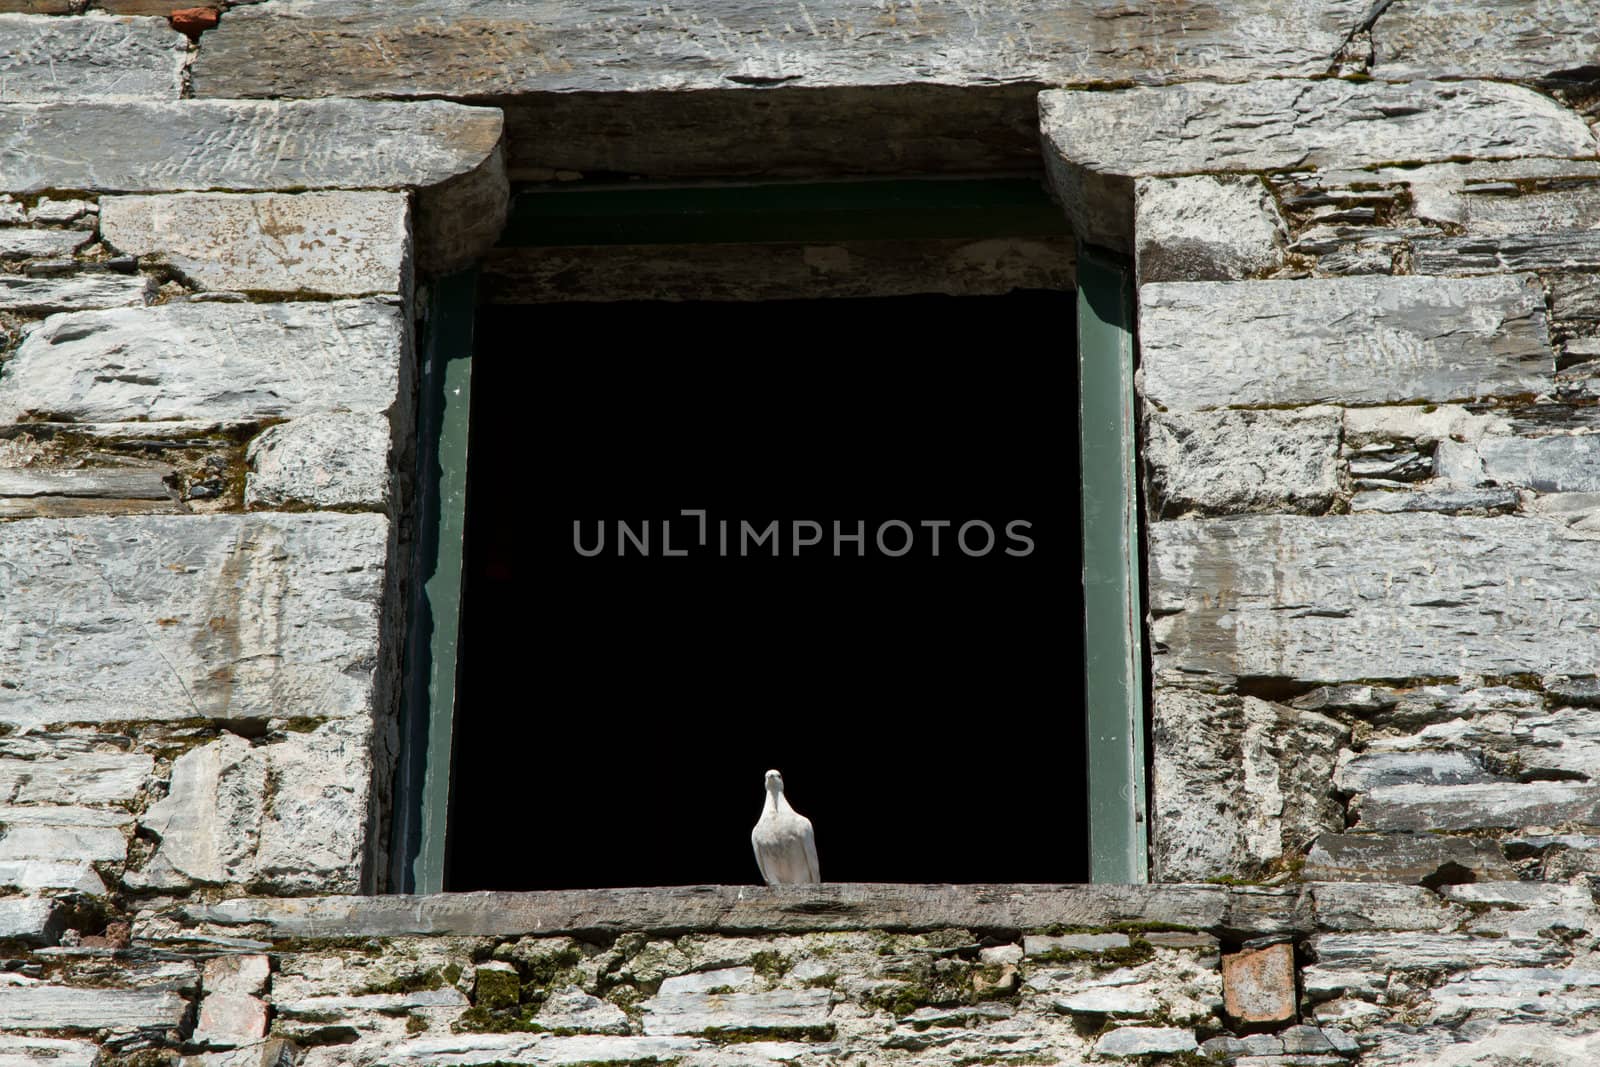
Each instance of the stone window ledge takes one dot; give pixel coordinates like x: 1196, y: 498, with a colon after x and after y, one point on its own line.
x: 1230, y: 912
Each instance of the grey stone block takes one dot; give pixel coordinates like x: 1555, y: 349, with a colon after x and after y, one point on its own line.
x: 1097, y: 142
x: 1223, y: 604
x: 318, y: 243
x: 694, y: 1013
x: 1128, y: 1041
x: 1227, y: 462
x: 1343, y: 340
x: 489, y: 48
x: 46, y: 1007
x: 1206, y: 228
x: 1482, y: 39
x: 244, y: 617
x: 1559, y: 464
x: 91, y: 59
x: 329, y: 460
x: 79, y: 292
x: 1472, y: 807
x: 18, y: 242
x: 1356, y: 906
x: 1238, y: 783
x: 287, y: 817
x: 208, y: 361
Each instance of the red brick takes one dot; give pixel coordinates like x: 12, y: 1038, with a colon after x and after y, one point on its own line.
x: 1258, y: 985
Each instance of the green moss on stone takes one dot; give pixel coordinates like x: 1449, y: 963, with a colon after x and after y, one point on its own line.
x: 497, y: 989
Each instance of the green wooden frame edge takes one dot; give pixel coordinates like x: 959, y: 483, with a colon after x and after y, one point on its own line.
x: 444, y: 406
x: 1113, y: 689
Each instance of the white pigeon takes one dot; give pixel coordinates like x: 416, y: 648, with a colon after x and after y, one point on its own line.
x: 786, y: 849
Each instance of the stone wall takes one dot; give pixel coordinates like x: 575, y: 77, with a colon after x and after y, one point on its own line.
x: 1369, y: 337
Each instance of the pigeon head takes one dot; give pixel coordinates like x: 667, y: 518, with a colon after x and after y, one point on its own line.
x: 774, y: 782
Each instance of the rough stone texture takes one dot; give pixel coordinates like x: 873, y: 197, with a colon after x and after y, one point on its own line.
x: 288, y: 817
x: 81, y: 292
x: 1216, y: 587
x: 1205, y: 228
x: 1560, y: 464
x: 333, y: 243
x: 1470, y: 807
x: 1097, y: 142
x: 1218, y: 463
x: 1258, y: 984
x: 1345, y: 340
x: 93, y: 59
x: 1238, y: 782
x: 208, y: 361
x: 1444, y: 951
x: 41, y: 1006
x: 221, y: 616
x: 740, y: 909
x: 321, y: 461
x: 504, y: 47
x: 1497, y: 39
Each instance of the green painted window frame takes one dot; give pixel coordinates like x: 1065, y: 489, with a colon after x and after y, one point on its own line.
x: 972, y: 208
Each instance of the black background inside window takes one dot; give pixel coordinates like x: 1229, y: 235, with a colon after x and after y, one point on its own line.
x: 616, y: 714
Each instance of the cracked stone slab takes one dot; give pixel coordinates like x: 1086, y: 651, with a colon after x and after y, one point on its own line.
x: 1358, y: 597
x: 62, y: 834
x: 1098, y: 142
x: 323, y: 243
x: 95, y: 58
x: 487, y: 48
x: 1238, y: 783
x: 1503, y: 208
x: 173, y: 617
x: 283, y: 817
x: 1353, y: 341
x: 1507, y: 39
x: 79, y: 292
x: 208, y: 362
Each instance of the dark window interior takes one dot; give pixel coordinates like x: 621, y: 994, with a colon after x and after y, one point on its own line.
x: 616, y: 714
